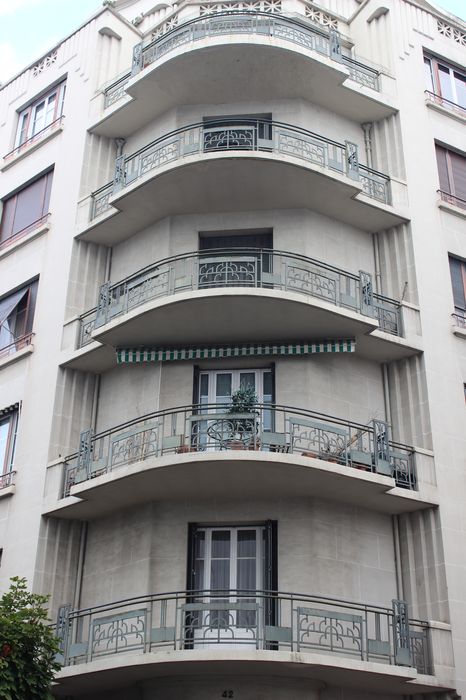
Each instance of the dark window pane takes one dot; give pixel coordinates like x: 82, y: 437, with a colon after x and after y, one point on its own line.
x: 221, y: 543
x: 460, y: 85
x: 458, y: 171
x: 246, y: 543
x: 456, y: 271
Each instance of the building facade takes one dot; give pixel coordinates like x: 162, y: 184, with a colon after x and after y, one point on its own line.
x: 233, y: 349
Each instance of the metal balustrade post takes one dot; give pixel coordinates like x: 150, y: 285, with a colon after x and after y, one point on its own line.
x: 62, y: 630
x: 103, y: 302
x: 401, y: 633
x: 119, y: 175
x: 136, y: 66
x: 366, y: 293
x: 83, y: 462
x: 352, y: 160
x: 334, y: 45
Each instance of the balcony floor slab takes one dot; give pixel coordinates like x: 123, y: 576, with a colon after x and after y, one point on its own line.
x: 264, y: 68
x: 229, y: 181
x: 122, y: 670
x: 214, y: 474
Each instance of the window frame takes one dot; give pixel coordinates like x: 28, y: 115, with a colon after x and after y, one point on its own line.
x: 436, y: 65
x: 22, y: 327
x: 460, y: 309
x: 11, y: 417
x: 27, y: 117
x: 14, y: 198
x: 453, y: 191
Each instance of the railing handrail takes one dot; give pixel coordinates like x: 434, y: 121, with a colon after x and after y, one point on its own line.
x: 24, y: 231
x: 198, y: 409
x: 34, y: 137
x: 451, y: 196
x: 22, y: 340
x: 192, y: 593
x: 444, y: 99
x: 235, y: 252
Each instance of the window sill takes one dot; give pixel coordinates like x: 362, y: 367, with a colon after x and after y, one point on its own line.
x: 446, y: 206
x: 15, y: 356
x: 10, y: 160
x: 35, y: 233
x: 437, y: 107
x: 7, y: 491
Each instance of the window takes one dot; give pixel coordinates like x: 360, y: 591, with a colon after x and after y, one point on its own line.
x: 8, y: 427
x: 445, y: 81
x: 40, y: 114
x: 16, y: 318
x: 26, y: 209
x: 458, y: 283
x: 452, y: 176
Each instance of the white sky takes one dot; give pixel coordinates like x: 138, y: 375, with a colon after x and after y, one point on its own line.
x: 28, y: 28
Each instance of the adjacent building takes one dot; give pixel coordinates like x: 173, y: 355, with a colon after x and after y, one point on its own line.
x: 233, y: 349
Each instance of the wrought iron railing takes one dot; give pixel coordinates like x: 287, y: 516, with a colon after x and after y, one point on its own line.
x: 443, y: 102
x: 242, y: 620
x: 7, y: 479
x: 24, y: 231
x: 266, y: 428
x: 245, y: 267
x: 36, y: 138
x: 459, y: 319
x: 452, y: 199
x: 243, y: 135
x: 16, y: 344
x: 263, y: 24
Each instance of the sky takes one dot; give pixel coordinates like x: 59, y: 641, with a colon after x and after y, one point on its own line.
x: 28, y: 28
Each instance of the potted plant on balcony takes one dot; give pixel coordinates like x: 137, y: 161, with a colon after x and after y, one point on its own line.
x: 243, y: 430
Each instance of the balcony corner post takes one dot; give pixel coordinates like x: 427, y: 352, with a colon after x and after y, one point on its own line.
x: 352, y: 160
x: 335, y: 45
x: 62, y: 630
x: 136, y: 66
x: 366, y: 293
x: 401, y: 633
x: 102, y: 305
x: 84, y: 453
x: 119, y: 175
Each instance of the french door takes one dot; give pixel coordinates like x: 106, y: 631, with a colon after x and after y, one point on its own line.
x: 228, y: 567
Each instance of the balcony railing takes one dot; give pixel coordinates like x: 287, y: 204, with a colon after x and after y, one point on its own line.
x: 243, y: 135
x: 17, y: 344
x: 37, y: 138
x: 452, y: 199
x: 459, y: 319
x: 443, y: 102
x: 7, y: 479
x: 38, y: 224
x: 263, y: 24
x: 246, y: 267
x: 245, y: 620
x: 268, y: 428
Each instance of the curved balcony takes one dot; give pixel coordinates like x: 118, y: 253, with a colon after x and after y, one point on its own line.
x: 248, y: 292
x: 290, y: 634
x: 238, y: 166
x: 273, y: 54
x: 274, y: 451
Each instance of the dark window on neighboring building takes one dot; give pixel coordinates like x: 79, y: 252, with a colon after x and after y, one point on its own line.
x: 8, y: 426
x: 16, y: 318
x: 38, y: 115
x: 458, y: 283
x: 445, y: 80
x: 452, y: 174
x: 26, y: 209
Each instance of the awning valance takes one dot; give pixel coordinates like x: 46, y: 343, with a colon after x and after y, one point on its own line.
x: 138, y: 355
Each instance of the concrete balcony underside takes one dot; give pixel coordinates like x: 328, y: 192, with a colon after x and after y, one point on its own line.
x: 213, y: 474
x: 127, y: 669
x: 231, y: 181
x: 264, y: 68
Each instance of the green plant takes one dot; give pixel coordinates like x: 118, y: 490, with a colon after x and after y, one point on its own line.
x: 28, y: 646
x: 243, y: 400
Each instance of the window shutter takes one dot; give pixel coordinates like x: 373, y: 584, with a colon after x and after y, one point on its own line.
x: 458, y: 170
x: 441, y: 154
x: 456, y: 272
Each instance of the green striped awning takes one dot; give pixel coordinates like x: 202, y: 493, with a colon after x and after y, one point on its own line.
x: 137, y: 355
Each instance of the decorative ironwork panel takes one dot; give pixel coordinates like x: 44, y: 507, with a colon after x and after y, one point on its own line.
x: 85, y: 450
x: 319, y: 439
x: 403, y: 470
x: 335, y: 44
x: 330, y: 631
x: 388, y: 317
x: 401, y: 632
x: 352, y: 160
x: 366, y: 293
x: 226, y: 138
x: 100, y: 202
x: 149, y: 287
x: 119, y: 177
x: 63, y: 626
x: 103, y: 304
x: 308, y: 281
x: 218, y: 272
x: 137, y: 445
x: 115, y: 92
x: 360, y: 74
x: 419, y: 650
x: 159, y: 156
x: 87, y: 325
x: 298, y: 36
x: 221, y: 622
x: 119, y: 633
x: 302, y: 147
x: 374, y: 185
x: 136, y: 65
x: 381, y: 441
